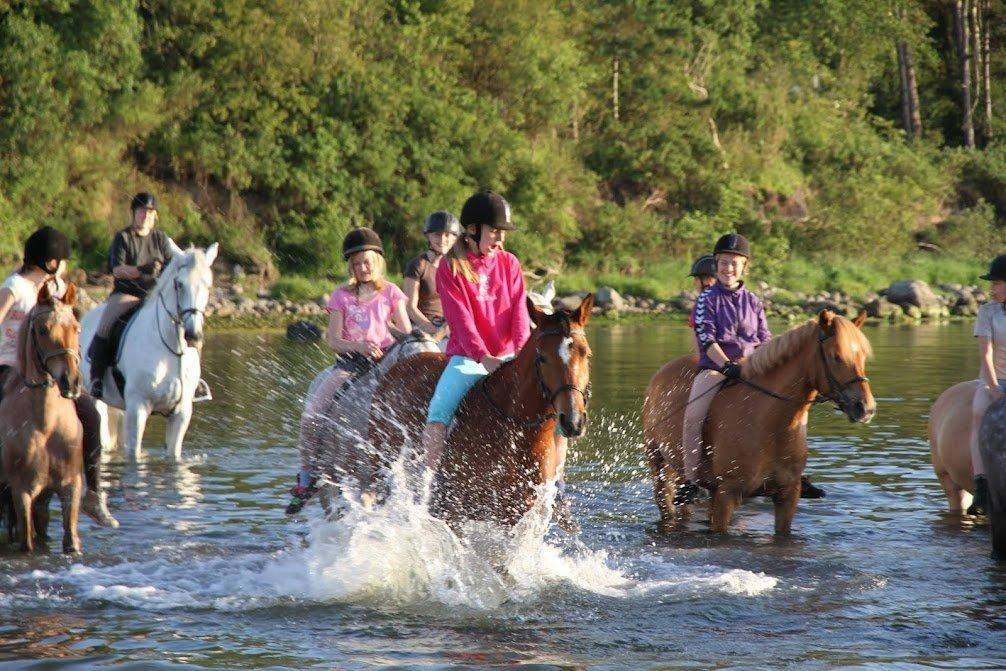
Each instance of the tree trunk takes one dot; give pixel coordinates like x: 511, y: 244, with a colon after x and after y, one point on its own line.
x: 906, y: 102
x: 961, y: 8
x: 913, y: 93
x: 614, y: 88
x: 976, y: 58
x: 986, y: 74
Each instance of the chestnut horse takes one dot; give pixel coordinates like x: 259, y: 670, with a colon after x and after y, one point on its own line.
x: 501, y: 448
x: 755, y: 434
x: 949, y: 443
x: 40, y: 444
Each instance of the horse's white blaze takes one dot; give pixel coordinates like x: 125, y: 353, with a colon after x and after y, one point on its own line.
x: 565, y: 350
x: 854, y: 347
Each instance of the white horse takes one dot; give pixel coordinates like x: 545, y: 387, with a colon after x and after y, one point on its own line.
x: 158, y: 354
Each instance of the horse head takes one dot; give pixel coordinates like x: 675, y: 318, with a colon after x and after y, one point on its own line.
x: 191, y: 277
x: 562, y: 362
x: 840, y: 373
x: 52, y: 343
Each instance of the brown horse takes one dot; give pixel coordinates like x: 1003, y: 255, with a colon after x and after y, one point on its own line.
x: 40, y: 444
x: 502, y: 446
x: 949, y: 443
x: 755, y: 434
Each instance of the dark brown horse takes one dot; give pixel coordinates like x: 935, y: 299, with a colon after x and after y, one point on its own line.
x: 40, y: 442
x: 502, y: 447
x: 756, y: 432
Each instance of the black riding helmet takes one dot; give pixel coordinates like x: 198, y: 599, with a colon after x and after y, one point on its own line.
x: 143, y: 200
x: 442, y: 221
x: 733, y: 243
x: 487, y: 207
x: 704, y: 265
x: 361, y: 240
x: 44, y: 245
x: 997, y: 269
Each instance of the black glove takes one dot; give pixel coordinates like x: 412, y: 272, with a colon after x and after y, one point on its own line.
x: 732, y: 370
x: 152, y: 269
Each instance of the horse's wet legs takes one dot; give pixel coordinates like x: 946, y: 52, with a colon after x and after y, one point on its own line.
x: 69, y: 500
x: 721, y: 510
x: 958, y: 499
x: 136, y: 423
x: 25, y: 526
x: 40, y: 516
x: 178, y: 424
x: 785, y: 508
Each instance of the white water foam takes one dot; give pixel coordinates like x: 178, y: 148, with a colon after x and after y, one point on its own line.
x: 396, y: 555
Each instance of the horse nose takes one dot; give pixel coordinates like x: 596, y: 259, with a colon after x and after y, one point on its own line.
x: 67, y: 388
x: 571, y: 425
x: 193, y: 337
x: 860, y: 413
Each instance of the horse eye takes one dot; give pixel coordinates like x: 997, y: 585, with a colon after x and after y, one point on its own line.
x: 837, y: 358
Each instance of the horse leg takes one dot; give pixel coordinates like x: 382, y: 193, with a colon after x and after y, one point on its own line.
x: 178, y: 424
x: 786, y: 501
x: 22, y: 506
x: 40, y: 516
x: 958, y: 499
x: 104, y: 430
x: 69, y: 501
x: 721, y: 509
x: 136, y: 423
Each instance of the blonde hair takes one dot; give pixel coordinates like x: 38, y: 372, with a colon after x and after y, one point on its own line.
x: 458, y: 257
x: 380, y: 268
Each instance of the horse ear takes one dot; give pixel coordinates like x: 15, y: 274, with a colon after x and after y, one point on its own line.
x: 826, y: 320
x: 211, y: 253
x: 860, y: 319
x: 548, y: 293
x: 583, y: 312
x: 537, y: 316
x: 70, y: 295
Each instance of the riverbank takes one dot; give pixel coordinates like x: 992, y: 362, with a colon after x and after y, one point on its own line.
x: 234, y: 305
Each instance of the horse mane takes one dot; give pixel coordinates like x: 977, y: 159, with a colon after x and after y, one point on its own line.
x: 781, y: 349
x: 22, y: 342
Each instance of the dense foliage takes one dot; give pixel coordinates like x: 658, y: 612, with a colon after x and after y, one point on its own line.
x: 276, y: 125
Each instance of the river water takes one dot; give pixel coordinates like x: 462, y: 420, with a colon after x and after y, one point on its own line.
x: 206, y: 571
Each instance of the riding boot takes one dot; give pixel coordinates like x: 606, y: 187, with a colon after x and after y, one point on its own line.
x: 300, y: 494
x: 94, y: 503
x: 101, y: 353
x: 808, y: 490
x: 980, y: 502
x: 687, y: 493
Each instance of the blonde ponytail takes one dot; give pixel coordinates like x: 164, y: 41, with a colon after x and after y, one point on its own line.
x: 458, y: 258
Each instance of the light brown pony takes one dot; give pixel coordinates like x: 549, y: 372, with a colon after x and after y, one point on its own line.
x: 40, y: 444
x: 502, y: 446
x: 949, y: 443
x: 755, y: 433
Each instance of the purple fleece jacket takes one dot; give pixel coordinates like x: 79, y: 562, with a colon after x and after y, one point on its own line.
x: 733, y: 319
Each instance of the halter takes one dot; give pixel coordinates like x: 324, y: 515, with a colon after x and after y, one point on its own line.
x: 548, y: 395
x: 42, y: 359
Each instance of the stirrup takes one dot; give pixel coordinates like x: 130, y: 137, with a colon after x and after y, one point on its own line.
x: 203, y: 392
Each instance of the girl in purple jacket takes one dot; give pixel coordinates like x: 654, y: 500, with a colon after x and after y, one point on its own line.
x: 729, y: 324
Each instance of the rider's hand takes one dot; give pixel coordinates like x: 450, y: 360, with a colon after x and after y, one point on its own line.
x: 491, y: 363
x: 732, y: 370
x: 132, y: 273
x: 996, y: 392
x: 371, y: 350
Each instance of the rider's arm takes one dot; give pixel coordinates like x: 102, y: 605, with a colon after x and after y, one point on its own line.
x: 411, y: 288
x: 707, y: 330
x: 458, y: 314
x: 764, y: 335
x: 6, y: 301
x: 400, y: 318
x: 716, y: 354
x: 334, y: 336
x: 520, y: 322
x: 117, y: 261
x: 987, y: 362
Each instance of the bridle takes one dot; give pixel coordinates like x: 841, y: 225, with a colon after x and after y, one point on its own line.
x: 548, y: 395
x: 177, y: 317
x: 42, y: 357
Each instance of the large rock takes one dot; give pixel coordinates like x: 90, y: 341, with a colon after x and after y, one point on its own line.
x: 882, y: 309
x: 609, y: 299
x: 571, y: 302
x: 913, y: 292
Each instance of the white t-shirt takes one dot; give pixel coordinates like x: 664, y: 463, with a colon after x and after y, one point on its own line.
x: 992, y: 324
x: 25, y: 297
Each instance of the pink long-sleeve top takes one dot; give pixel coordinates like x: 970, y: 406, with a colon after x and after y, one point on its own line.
x: 488, y: 317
